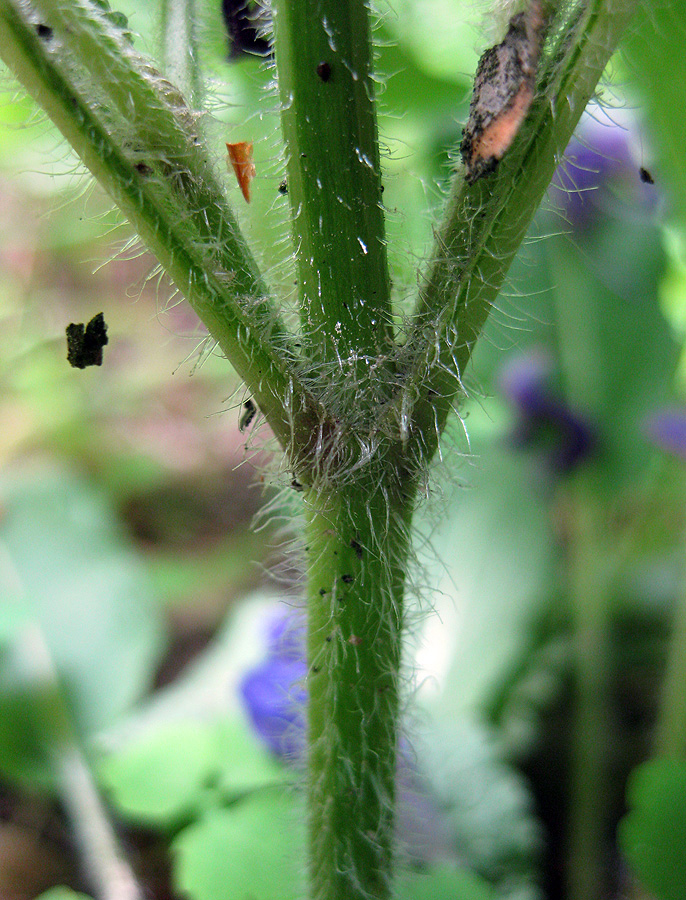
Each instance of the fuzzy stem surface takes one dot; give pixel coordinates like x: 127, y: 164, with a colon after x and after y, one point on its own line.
x: 485, y: 222
x: 324, y: 63
x: 358, y: 543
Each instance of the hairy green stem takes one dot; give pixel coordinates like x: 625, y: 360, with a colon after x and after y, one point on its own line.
x: 324, y: 63
x: 485, y: 222
x: 357, y: 551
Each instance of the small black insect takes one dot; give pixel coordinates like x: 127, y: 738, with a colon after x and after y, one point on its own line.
x: 324, y: 71
x: 357, y: 548
x: 85, y: 342
x: 347, y: 579
x: 645, y: 176
x: 247, y: 22
x: 283, y: 187
x: 44, y: 31
x: 248, y: 414
x: 295, y: 484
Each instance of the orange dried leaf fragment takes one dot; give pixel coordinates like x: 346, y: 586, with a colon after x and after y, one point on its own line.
x: 240, y: 158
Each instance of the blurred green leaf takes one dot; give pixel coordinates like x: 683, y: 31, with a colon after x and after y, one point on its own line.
x: 256, y: 848
x: 618, y: 353
x: 495, y: 578
x: 71, y: 572
x: 487, y: 804
x: 442, y: 882
x: 655, y: 51
x: 161, y: 778
x: 62, y: 893
x: 652, y: 833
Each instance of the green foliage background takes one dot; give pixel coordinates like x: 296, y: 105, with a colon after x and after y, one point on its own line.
x: 127, y: 492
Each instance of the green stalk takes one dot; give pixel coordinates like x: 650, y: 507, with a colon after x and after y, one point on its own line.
x: 670, y: 731
x: 135, y: 133
x: 357, y: 552
x: 179, y: 47
x: 485, y: 223
x: 324, y: 63
x: 590, y: 601
x: 359, y: 507
x: 48, y: 711
x: 593, y: 566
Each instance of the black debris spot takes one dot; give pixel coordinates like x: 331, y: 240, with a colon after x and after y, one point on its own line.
x: 322, y: 591
x: 247, y: 22
x: 143, y: 168
x: 316, y: 668
x: 347, y: 579
x: 645, y: 176
x: 248, y: 414
x: 283, y: 187
x: 44, y: 31
x: 324, y: 71
x: 85, y: 342
x: 357, y: 548
x: 328, y: 638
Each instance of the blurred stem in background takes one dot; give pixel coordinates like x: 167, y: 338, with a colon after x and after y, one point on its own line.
x: 358, y: 416
x: 589, y: 593
x: 670, y: 734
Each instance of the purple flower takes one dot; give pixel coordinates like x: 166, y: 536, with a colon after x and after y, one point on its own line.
x: 667, y: 429
x: 544, y: 421
x: 274, y: 697
x: 598, y: 168
x: 273, y: 691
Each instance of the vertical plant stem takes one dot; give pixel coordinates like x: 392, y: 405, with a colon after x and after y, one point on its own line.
x: 357, y: 556
x: 590, y: 606
x: 590, y: 579
x: 670, y: 731
x: 47, y: 708
x: 324, y: 63
x: 179, y: 47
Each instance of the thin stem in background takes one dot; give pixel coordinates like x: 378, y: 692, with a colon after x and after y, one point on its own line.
x: 670, y: 730
x: 48, y: 709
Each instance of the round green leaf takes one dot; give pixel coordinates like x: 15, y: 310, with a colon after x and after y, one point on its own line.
x: 162, y: 777
x: 652, y: 834
x: 255, y: 848
x: 442, y: 882
x: 62, y: 893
